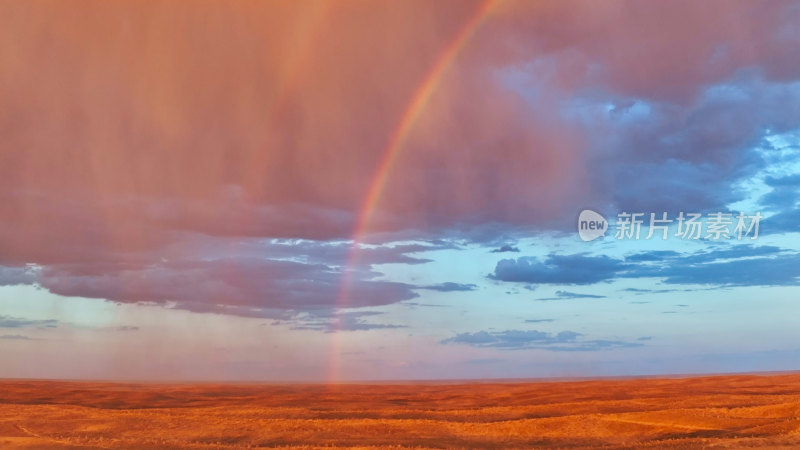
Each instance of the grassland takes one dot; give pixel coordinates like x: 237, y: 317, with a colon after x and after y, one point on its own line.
x: 707, y: 412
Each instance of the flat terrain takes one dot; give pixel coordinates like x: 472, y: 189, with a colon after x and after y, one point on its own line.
x: 709, y: 412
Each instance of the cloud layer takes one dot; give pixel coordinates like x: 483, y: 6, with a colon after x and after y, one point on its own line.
x: 155, y: 163
x: 739, y: 265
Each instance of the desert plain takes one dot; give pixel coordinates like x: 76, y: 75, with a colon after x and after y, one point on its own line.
x: 733, y: 411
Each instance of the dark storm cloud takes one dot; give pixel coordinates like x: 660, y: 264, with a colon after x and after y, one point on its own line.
x: 786, y: 221
x: 777, y: 271
x: 558, y: 269
x: 506, y: 249
x: 236, y: 284
x: 239, y: 276
x: 783, y: 201
x: 739, y: 265
x: 10, y: 276
x: 665, y: 156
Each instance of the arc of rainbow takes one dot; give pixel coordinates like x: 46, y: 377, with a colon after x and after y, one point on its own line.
x: 396, y: 140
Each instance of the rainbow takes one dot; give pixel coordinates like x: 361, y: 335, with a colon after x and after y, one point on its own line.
x: 390, y: 155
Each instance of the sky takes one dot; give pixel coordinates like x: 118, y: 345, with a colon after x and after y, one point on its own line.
x: 355, y: 190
